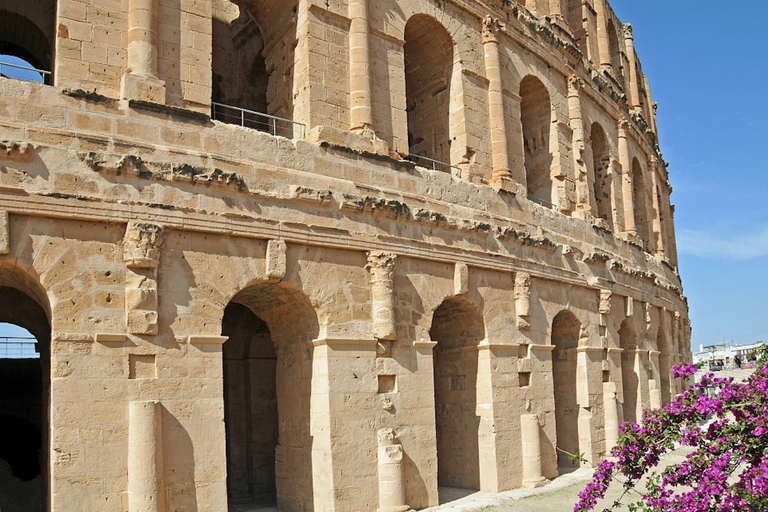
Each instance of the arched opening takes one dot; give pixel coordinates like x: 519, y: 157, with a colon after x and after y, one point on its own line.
x: 428, y: 54
x: 457, y: 327
x: 662, y: 343
x: 613, y: 44
x: 27, y: 39
x: 252, y: 82
x: 267, y: 388
x: 642, y: 224
x: 25, y: 337
x: 601, y: 161
x: 629, y: 372
x: 565, y: 338
x: 536, y: 118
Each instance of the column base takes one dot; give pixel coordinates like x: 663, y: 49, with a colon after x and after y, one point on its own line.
x: 534, y: 483
x: 504, y: 184
x: 143, y: 88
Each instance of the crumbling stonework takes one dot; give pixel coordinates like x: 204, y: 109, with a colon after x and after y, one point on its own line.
x: 445, y: 255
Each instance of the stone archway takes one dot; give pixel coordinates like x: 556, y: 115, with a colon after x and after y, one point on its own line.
x: 565, y: 338
x: 536, y: 121
x: 267, y: 364
x: 24, y: 399
x: 457, y: 327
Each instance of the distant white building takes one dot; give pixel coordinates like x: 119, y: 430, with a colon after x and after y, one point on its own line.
x: 723, y: 354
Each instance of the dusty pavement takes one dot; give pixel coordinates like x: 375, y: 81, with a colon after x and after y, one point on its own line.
x: 560, y: 495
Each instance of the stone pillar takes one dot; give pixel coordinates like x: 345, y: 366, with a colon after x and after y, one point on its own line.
x: 361, y: 108
x: 611, y: 411
x: 381, y: 266
x: 658, y: 228
x: 140, y: 81
x: 391, y: 482
x: 654, y: 106
x: 654, y: 384
x: 556, y: 9
x: 145, y: 457
x: 584, y: 199
x: 501, y: 178
x: 634, y: 84
x: 603, y: 42
x: 626, y: 179
x: 531, y: 440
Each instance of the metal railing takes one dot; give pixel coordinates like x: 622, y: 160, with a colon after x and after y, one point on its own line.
x: 542, y: 202
x: 431, y: 163
x: 258, y: 121
x: 18, y: 348
x: 45, y: 76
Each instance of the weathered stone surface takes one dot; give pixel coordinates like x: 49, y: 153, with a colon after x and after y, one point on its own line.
x: 446, y: 251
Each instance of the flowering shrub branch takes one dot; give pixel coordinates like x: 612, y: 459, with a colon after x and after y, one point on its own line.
x: 728, y: 467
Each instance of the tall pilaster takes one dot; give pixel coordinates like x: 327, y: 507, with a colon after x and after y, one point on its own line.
x: 603, y: 41
x: 584, y: 200
x: 502, y: 177
x: 658, y: 227
x: 626, y: 179
x: 140, y: 81
x: 145, y: 458
x: 634, y: 85
x: 361, y: 108
x: 381, y: 265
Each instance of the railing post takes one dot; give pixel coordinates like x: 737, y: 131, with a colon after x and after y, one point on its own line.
x: 242, y: 117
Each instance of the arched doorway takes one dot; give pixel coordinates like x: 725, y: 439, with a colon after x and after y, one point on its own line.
x: 267, y: 364
x: 27, y: 34
x: 457, y: 327
x: 629, y: 374
x: 566, y: 329
x: 428, y: 54
x: 601, y: 161
x: 536, y: 119
x: 24, y: 397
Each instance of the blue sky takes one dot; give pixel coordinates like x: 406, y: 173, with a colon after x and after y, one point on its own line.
x: 708, y: 71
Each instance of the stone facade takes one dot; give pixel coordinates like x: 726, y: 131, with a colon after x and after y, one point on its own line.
x: 448, y: 259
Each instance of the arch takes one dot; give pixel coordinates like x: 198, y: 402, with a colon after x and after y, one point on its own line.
x: 566, y: 330
x: 457, y: 325
x: 248, y: 70
x: 267, y: 364
x: 601, y: 162
x: 629, y: 372
x: 428, y: 54
x: 642, y: 219
x: 27, y: 33
x: 24, y: 396
x: 536, y: 120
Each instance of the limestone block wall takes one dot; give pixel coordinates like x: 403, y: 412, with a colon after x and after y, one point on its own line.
x: 315, y: 318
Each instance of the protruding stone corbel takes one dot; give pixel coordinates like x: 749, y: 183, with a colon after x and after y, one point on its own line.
x: 141, y: 253
x: 276, y: 259
x: 460, y: 279
x: 629, y: 307
x: 523, y: 299
x: 381, y: 266
x: 5, y: 233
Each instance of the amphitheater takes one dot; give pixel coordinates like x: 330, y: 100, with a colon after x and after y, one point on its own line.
x: 325, y: 255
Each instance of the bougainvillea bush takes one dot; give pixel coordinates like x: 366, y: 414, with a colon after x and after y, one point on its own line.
x: 723, y: 423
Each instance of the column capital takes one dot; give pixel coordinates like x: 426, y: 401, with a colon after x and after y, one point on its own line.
x: 491, y: 28
x: 627, y: 30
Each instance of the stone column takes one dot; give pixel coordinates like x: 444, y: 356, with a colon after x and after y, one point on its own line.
x: 361, y: 108
x: 391, y: 482
x: 603, y: 42
x: 654, y: 384
x: 556, y: 9
x: 626, y: 179
x: 531, y: 439
x: 381, y: 266
x: 501, y: 178
x: 634, y: 84
x: 611, y: 411
x: 145, y: 457
x: 654, y: 106
x: 584, y: 200
x: 141, y: 254
x: 140, y: 81
x: 658, y: 228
